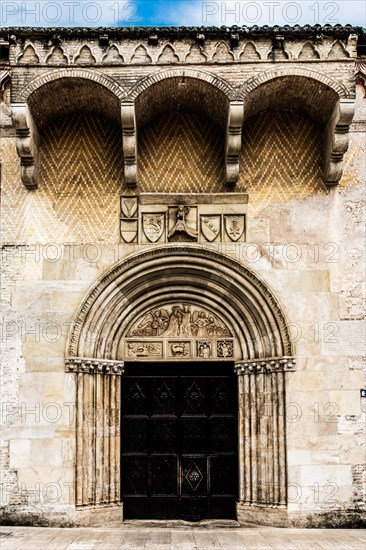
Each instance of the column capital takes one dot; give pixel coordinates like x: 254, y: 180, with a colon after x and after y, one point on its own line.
x: 263, y: 366
x: 86, y: 365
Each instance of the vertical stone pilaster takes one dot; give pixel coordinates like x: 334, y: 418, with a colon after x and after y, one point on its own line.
x: 97, y: 430
x: 262, y: 432
x: 241, y: 437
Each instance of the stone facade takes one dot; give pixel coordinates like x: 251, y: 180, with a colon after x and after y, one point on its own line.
x: 183, y: 195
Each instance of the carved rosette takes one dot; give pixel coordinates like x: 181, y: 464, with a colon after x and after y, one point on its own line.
x: 94, y: 366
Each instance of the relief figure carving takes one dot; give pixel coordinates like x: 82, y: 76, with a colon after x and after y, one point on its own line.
x: 181, y: 224
x: 179, y: 320
x: 204, y: 349
x: 180, y: 349
x: 147, y: 349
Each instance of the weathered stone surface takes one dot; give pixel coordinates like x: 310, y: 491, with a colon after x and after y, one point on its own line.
x: 140, y: 128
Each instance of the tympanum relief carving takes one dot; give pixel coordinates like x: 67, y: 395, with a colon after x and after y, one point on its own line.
x: 152, y: 218
x: 178, y: 331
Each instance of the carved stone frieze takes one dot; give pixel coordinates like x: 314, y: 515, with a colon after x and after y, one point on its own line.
x: 144, y: 349
x: 179, y: 331
x: 177, y: 320
x: 152, y: 218
x: 85, y: 365
x: 266, y: 365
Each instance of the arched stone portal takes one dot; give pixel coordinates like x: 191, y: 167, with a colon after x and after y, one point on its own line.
x: 181, y: 303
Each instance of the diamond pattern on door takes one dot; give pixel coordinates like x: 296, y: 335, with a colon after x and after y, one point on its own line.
x: 179, y: 441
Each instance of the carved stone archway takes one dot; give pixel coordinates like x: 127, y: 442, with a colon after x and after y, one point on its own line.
x: 239, y: 312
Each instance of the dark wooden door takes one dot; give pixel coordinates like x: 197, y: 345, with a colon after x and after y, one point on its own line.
x: 179, y: 441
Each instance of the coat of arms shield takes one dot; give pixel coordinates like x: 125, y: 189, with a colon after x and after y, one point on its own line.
x: 129, y: 230
x: 153, y: 226
x: 234, y: 227
x: 210, y: 227
x: 129, y: 206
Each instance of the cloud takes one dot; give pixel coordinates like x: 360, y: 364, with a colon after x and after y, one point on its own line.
x: 69, y: 13
x: 263, y: 12
x: 98, y: 13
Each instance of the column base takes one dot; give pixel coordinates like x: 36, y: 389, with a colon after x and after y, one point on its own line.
x: 249, y: 515
x: 100, y: 516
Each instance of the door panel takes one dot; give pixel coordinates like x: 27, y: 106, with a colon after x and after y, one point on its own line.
x: 179, y: 441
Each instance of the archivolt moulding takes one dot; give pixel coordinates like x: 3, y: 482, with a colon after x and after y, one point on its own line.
x: 242, y: 306
x: 214, y: 80
x: 74, y: 72
x: 194, y: 275
x: 277, y: 72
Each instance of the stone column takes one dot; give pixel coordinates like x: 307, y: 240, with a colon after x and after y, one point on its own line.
x: 262, y: 433
x: 98, y: 387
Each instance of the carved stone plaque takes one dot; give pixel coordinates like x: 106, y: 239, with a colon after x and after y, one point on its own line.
x: 234, y: 227
x: 179, y: 217
x: 153, y: 226
x: 179, y: 350
x: 210, y: 227
x: 182, y: 220
x: 152, y: 350
x: 129, y: 229
x: 204, y: 349
x: 129, y: 205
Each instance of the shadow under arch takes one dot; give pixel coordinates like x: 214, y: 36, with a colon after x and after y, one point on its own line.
x: 328, y: 102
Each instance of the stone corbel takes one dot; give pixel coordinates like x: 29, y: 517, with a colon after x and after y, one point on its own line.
x: 234, y: 126
x: 83, y: 365
x: 26, y: 143
x: 336, y: 140
x: 129, y: 133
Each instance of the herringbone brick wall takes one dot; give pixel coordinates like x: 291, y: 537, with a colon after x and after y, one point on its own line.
x: 280, y: 159
x: 181, y: 152
x: 82, y: 171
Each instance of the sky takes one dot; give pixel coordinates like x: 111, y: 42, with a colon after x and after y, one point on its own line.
x: 116, y: 13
